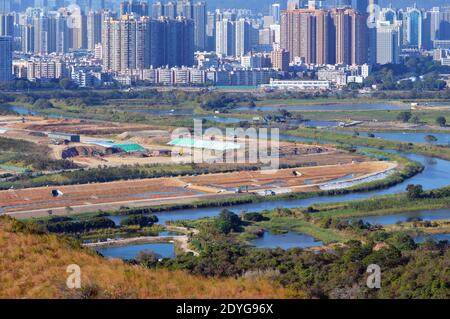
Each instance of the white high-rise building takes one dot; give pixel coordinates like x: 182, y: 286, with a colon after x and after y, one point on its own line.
x: 94, y: 29
x: 225, y: 37
x: 243, y: 37
x: 388, y: 48
x: 275, y: 12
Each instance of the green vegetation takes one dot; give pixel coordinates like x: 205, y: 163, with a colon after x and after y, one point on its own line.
x: 406, y: 76
x: 227, y: 222
x: 140, y: 220
x: 69, y: 226
x: 29, y: 156
x: 441, y: 121
x: 340, y: 273
x: 439, y: 151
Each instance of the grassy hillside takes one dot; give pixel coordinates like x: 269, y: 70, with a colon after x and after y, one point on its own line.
x: 33, y: 265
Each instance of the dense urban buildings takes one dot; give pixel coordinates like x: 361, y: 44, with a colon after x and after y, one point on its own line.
x: 103, y: 41
x: 131, y: 43
x: 325, y: 36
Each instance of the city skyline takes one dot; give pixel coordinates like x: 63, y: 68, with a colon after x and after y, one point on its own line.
x: 143, y: 35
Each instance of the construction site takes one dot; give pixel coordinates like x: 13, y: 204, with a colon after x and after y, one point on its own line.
x: 92, y: 144
x: 158, y: 191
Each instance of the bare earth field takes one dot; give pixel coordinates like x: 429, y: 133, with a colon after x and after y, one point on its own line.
x: 158, y: 191
x: 33, y: 129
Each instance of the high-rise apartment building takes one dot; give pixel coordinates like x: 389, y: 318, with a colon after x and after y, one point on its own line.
x: 27, y: 37
x: 6, y: 49
x: 387, y: 43
x: 226, y: 37
x: 5, y: 6
x: 275, y: 12
x: 211, y: 31
x: 243, y: 38
x: 325, y: 36
x: 78, y: 30
x: 439, y: 21
x: 199, y: 16
x: 94, y: 29
x: 138, y: 8
x: 157, y: 10
x: 280, y: 60
x: 6, y: 24
x: 170, y: 10
x: 130, y: 43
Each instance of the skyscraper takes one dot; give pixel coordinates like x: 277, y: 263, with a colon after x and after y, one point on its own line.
x: 343, y: 25
x: 170, y: 10
x: 387, y: 43
x: 296, y: 33
x: 94, y: 29
x: 130, y: 43
x: 360, y: 5
x: 157, y: 10
x: 439, y: 23
x: 78, y: 30
x: 306, y: 34
x: 226, y: 37
x: 61, y: 34
x: 5, y: 6
x: 372, y: 47
x: 27, y: 37
x: 243, y: 37
x: 325, y: 36
x: 41, y: 30
x: 275, y: 12
x: 6, y: 24
x: 413, y: 23
x: 199, y: 16
x: 6, y: 58
x: 137, y: 8
x: 211, y: 31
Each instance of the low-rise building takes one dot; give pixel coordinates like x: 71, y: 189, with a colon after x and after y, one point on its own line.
x: 309, y: 85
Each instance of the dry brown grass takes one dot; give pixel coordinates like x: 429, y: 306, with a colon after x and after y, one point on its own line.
x: 34, y: 266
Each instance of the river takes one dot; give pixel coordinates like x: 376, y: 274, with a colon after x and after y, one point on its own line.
x: 328, y: 107
x: 408, y: 137
x: 435, y: 175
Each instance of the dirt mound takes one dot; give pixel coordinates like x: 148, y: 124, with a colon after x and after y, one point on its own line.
x: 86, y: 151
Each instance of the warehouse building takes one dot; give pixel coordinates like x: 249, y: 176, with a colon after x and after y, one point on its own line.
x: 75, y: 138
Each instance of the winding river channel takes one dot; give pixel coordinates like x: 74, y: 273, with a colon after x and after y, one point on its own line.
x: 435, y: 175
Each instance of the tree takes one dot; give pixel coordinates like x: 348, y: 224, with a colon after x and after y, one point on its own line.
x: 415, y: 119
x: 67, y: 84
x: 404, y: 116
x: 254, y: 217
x: 141, y: 220
x: 441, y: 121
x: 43, y: 104
x: 228, y: 221
x: 414, y: 191
x: 402, y: 241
